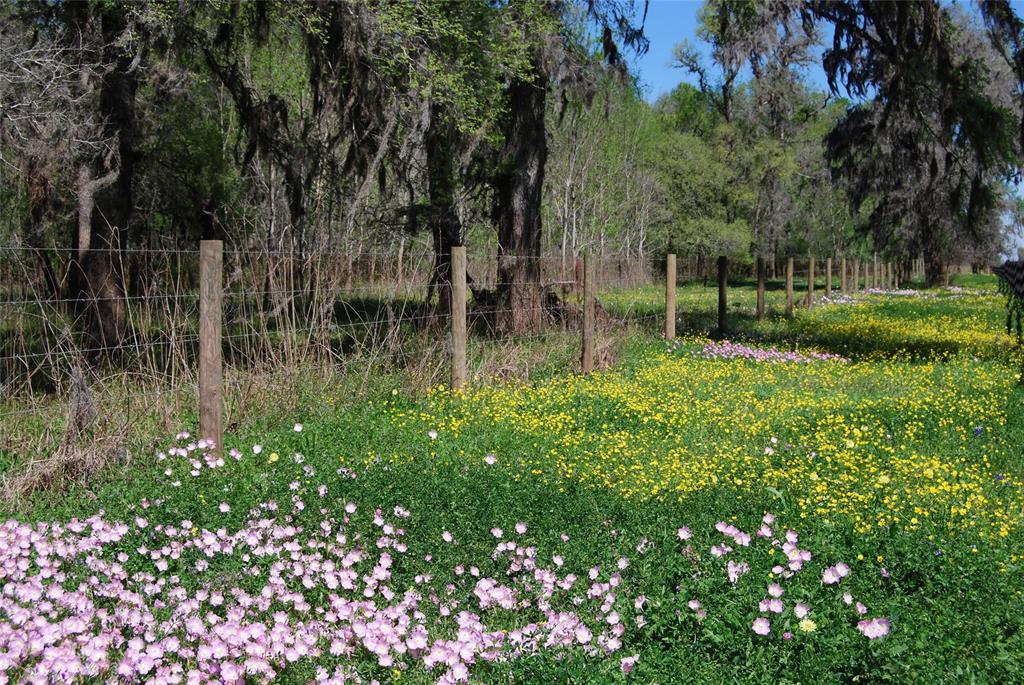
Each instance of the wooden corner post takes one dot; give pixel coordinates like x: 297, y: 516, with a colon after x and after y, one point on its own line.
x: 211, y: 370
x: 810, y: 282
x: 587, y: 356
x: 458, y: 317
x: 670, y: 296
x: 828, y: 277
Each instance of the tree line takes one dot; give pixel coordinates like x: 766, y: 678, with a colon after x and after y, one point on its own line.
x: 514, y: 126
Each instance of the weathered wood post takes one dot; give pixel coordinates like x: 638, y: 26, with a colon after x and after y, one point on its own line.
x: 670, y: 296
x: 855, y: 284
x: 723, y: 275
x: 810, y: 282
x: 760, y: 289
x: 789, y: 287
x: 867, y: 276
x: 211, y: 369
x: 828, y: 277
x: 458, y: 317
x: 587, y: 357
x: 842, y: 275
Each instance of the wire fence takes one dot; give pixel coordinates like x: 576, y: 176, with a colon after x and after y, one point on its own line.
x: 85, y: 341
x: 112, y: 342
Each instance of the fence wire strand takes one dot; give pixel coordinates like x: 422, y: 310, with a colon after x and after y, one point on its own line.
x: 282, y: 309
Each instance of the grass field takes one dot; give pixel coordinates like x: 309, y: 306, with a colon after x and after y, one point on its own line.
x: 832, y: 499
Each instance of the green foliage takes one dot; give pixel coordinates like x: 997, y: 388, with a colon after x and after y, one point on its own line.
x: 953, y: 596
x: 603, y: 185
x: 689, y: 110
x: 462, y: 56
x: 703, y: 198
x: 187, y: 162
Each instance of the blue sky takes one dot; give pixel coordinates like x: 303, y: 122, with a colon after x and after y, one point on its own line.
x: 669, y: 22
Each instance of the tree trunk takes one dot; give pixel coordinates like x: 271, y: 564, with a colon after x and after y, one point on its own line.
x: 38, y: 201
x: 445, y: 226
x: 106, y: 203
x: 517, y: 204
x: 935, y: 271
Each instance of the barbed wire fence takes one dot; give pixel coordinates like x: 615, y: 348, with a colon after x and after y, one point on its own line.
x: 281, y: 314
x: 323, y: 316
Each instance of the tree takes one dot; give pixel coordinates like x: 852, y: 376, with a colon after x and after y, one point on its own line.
x: 559, y: 58
x: 930, y: 142
x: 602, y: 186
x: 481, y: 48
x: 740, y: 33
x: 101, y: 45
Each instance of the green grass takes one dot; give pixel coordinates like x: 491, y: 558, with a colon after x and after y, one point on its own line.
x: 592, y: 459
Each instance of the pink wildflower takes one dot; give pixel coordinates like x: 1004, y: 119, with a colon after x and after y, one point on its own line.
x: 874, y: 628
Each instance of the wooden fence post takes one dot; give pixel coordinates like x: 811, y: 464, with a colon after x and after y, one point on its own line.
x: 842, y: 275
x: 760, y: 288
x: 587, y: 358
x: 723, y: 275
x: 828, y: 277
x: 855, y: 282
x: 458, y: 317
x: 874, y: 271
x: 670, y: 296
x: 789, y: 287
x: 211, y: 370
x: 810, y: 282
x: 867, y: 276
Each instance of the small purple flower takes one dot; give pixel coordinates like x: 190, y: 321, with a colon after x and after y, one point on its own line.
x: 978, y: 430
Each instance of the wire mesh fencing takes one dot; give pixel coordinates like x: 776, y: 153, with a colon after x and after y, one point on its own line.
x: 325, y: 314
x: 104, y: 348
